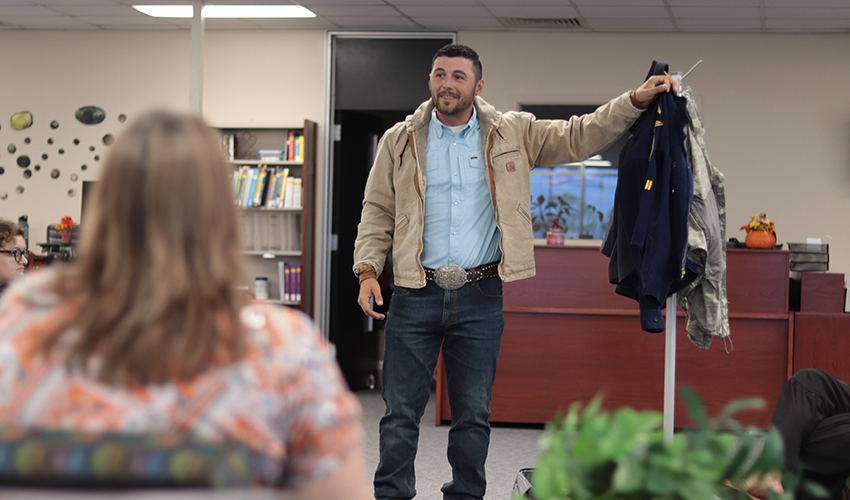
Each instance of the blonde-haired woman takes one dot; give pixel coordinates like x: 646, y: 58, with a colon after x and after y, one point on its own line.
x: 146, y: 333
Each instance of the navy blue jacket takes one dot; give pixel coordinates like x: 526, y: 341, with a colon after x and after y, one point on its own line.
x: 647, y: 239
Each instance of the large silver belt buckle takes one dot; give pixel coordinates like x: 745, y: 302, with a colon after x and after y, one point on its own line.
x: 450, y: 277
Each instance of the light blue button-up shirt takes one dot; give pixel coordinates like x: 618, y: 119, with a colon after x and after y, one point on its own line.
x: 460, y: 226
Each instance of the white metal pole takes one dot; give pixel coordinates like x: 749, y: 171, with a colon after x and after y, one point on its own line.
x: 669, y: 368
x: 196, y: 62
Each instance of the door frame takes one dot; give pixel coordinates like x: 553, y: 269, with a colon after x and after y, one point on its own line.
x: 326, y: 240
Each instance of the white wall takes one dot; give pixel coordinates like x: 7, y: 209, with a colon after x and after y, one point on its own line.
x: 776, y: 107
x: 776, y: 110
x: 262, y: 78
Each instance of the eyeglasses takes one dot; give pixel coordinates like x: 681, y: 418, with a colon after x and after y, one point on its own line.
x: 18, y: 254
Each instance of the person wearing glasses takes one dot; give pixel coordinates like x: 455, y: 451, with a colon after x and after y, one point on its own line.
x: 13, y: 253
x: 147, y: 332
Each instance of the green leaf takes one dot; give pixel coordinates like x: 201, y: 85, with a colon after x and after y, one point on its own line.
x: 814, y: 489
x: 658, y: 483
x: 629, y: 476
x: 724, y: 418
x: 695, y: 408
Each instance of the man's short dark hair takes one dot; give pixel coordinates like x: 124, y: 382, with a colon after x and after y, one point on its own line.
x: 455, y: 50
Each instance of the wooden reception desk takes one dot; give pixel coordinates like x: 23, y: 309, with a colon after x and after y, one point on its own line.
x: 568, y: 336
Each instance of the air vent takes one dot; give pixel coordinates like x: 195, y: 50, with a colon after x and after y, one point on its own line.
x: 569, y: 23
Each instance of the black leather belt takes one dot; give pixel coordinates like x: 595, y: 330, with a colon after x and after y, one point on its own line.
x: 451, y: 277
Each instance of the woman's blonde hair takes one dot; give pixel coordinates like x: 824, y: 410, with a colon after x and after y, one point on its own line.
x: 160, y: 257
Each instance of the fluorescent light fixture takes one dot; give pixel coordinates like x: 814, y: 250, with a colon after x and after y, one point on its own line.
x: 255, y: 11
x: 228, y: 11
x: 165, y: 10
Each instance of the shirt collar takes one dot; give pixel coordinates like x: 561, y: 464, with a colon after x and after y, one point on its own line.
x: 440, y: 128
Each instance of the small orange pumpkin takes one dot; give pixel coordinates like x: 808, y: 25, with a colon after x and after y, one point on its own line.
x: 760, y: 239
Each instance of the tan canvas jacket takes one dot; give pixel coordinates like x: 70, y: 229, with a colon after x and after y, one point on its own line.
x: 513, y: 143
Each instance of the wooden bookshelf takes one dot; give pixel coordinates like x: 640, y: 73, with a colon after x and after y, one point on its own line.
x: 277, y: 234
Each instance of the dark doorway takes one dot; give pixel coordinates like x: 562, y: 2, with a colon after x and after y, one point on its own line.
x: 377, y: 82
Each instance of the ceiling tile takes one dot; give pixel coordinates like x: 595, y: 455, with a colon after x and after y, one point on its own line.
x: 445, y: 11
x: 125, y: 20
x: 41, y: 20
x: 530, y: 3
x: 73, y: 2
x: 372, y: 22
x: 355, y: 11
x: 716, y: 12
x: 425, y: 3
x: 138, y: 27
x: 455, y: 23
x: 807, y: 24
x: 631, y: 25
x: 719, y: 24
x: 96, y: 10
x: 25, y: 10
x: 619, y: 3
x: 716, y: 3
x: 310, y: 3
x: 624, y: 12
x: 311, y: 23
x: 532, y: 12
x: 805, y: 3
x: 799, y: 13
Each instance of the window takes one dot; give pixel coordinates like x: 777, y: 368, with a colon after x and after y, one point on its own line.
x: 580, y: 195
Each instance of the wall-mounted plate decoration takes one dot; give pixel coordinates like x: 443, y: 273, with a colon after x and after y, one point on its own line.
x: 90, y: 115
x: 21, y: 120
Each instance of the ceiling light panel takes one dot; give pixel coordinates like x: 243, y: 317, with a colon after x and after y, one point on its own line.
x: 228, y: 11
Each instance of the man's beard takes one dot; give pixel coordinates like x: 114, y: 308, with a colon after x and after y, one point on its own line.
x: 462, y: 104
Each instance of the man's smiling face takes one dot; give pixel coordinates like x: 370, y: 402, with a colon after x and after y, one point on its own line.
x: 453, y: 88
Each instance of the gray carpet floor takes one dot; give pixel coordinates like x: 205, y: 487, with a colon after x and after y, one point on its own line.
x: 511, y: 449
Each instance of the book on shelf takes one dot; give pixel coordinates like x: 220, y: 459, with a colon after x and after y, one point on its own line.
x: 280, y: 191
x: 258, y: 192
x: 297, y: 287
x: 266, y: 186
x: 281, y: 280
x: 247, y: 198
x: 299, y: 148
x: 290, y: 146
x: 270, y: 154
x: 297, y: 192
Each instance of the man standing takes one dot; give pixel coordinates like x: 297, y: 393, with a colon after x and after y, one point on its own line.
x: 449, y: 194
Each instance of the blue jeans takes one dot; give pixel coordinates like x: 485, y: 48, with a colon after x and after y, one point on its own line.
x: 468, y: 324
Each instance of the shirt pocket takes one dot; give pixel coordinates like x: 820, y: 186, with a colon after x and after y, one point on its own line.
x: 472, y: 176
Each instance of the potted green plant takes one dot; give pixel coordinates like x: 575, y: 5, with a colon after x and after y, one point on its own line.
x: 592, y: 218
x: 546, y: 212
x: 591, y: 454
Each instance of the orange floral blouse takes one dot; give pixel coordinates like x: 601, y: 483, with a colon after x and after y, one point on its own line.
x: 285, y: 398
